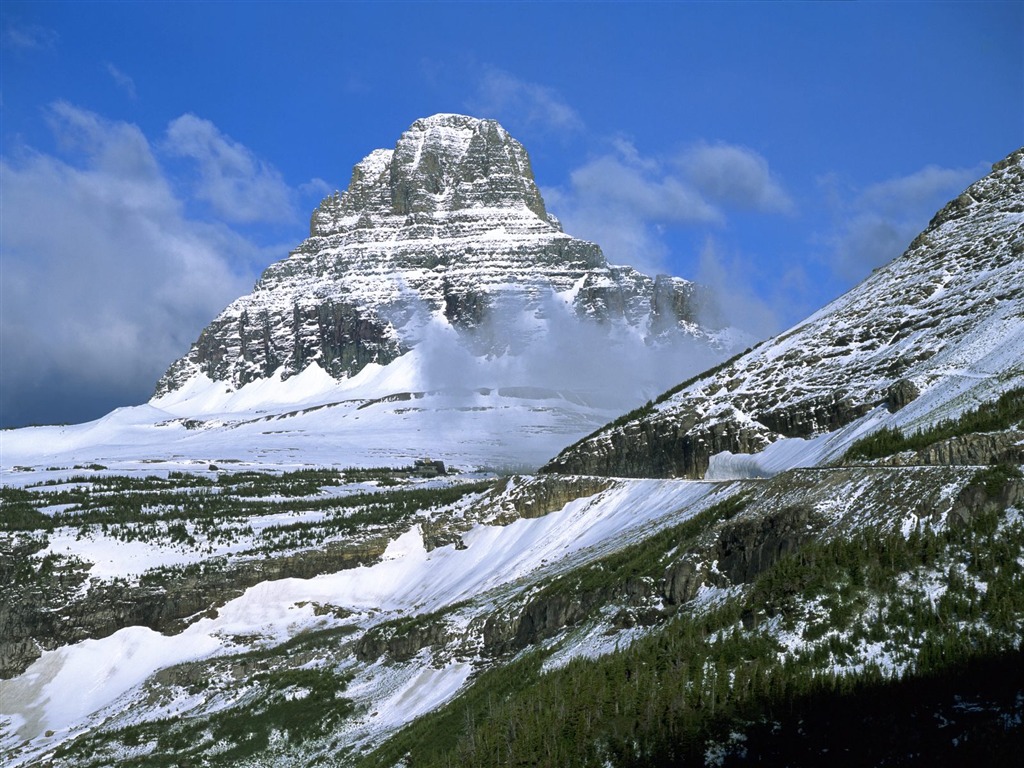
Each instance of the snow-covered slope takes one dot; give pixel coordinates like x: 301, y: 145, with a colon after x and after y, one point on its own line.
x: 492, y: 561
x: 267, y: 425
x: 437, y: 400
x: 186, y: 617
x: 930, y: 335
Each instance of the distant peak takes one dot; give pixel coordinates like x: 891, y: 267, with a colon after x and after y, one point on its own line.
x: 441, y: 164
x: 451, y: 120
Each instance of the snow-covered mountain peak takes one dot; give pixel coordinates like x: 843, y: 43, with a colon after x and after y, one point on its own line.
x: 447, y: 227
x: 441, y: 165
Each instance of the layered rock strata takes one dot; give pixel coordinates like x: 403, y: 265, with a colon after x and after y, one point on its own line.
x: 447, y: 226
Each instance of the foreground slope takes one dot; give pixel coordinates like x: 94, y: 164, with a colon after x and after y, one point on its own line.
x: 943, y: 322
x: 551, y: 621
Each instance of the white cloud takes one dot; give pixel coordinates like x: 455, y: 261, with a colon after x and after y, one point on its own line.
x: 735, y: 176
x: 30, y: 37
x: 514, y: 101
x: 922, y: 187
x: 121, y: 80
x: 315, y: 187
x: 743, y: 299
x: 878, y: 222
x: 120, y: 149
x: 623, y: 200
x: 105, y: 279
x: 239, y: 186
x: 626, y: 201
x: 642, y: 189
x: 621, y: 204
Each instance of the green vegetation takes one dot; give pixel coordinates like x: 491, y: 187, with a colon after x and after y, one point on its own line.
x: 17, y: 511
x: 283, y: 708
x: 1004, y: 413
x: 872, y: 631
x: 935, y: 604
x: 188, y: 509
x: 647, y: 558
x: 993, y: 479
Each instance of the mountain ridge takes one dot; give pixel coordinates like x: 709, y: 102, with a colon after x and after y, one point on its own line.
x: 946, y: 311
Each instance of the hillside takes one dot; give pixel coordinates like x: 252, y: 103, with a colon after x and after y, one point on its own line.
x: 828, y: 570
x: 933, y: 333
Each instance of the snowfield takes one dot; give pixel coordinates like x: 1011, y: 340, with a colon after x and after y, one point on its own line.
x: 381, y: 417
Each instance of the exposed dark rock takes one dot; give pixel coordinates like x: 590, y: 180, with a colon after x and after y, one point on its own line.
x: 659, y: 448
x: 976, y: 449
x: 750, y: 546
x: 683, y: 579
x: 540, y: 496
x: 402, y: 642
x: 512, y: 499
x: 539, y: 619
x: 547, y: 614
x: 48, y: 614
x: 977, y: 499
x: 901, y: 394
x: 814, y: 415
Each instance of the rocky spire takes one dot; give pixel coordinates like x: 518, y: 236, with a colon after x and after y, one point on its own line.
x: 449, y: 222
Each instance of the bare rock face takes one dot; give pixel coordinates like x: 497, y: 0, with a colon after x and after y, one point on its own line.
x: 448, y: 224
x: 951, y: 305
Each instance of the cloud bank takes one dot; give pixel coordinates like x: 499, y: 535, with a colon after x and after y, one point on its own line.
x: 626, y: 201
x: 734, y: 176
x: 878, y: 222
x: 543, y: 343
x: 106, y: 278
x: 239, y: 186
x: 523, y: 104
x: 122, y: 81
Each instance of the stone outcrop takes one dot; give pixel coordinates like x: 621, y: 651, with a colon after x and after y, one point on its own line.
x: 976, y: 449
x: 750, y: 546
x: 659, y: 448
x: 980, y: 498
x: 49, y: 613
x: 530, y: 497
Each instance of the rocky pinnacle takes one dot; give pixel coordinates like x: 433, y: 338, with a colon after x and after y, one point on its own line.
x: 449, y: 226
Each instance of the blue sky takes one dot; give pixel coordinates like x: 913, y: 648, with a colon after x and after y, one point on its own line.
x: 157, y: 156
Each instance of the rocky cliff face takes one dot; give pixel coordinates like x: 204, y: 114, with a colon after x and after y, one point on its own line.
x: 934, y: 324
x: 450, y: 226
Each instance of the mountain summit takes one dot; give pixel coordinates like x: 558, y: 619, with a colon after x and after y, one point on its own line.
x: 448, y: 227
